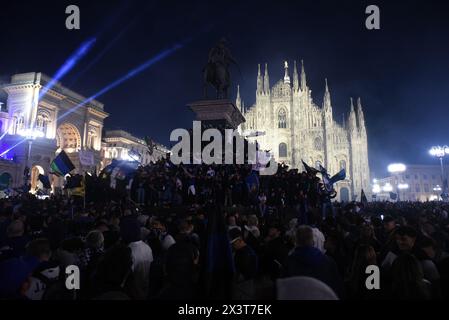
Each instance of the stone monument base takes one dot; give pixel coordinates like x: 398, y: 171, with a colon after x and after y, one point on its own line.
x: 219, y: 114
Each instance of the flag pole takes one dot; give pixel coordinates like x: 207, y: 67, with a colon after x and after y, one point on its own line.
x: 84, y: 190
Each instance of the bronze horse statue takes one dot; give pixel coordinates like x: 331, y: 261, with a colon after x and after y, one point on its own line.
x: 216, y: 72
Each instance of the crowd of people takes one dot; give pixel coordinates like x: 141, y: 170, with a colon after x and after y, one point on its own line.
x: 220, y: 232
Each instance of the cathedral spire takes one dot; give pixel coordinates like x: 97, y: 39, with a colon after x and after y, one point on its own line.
x: 238, y: 100
x: 352, y: 122
x: 259, y: 80
x: 327, y: 97
x: 286, y: 76
x: 360, y: 115
x: 303, y: 77
x: 295, y: 77
x: 266, y: 80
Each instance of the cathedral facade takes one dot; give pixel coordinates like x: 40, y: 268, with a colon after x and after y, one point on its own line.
x: 285, y: 120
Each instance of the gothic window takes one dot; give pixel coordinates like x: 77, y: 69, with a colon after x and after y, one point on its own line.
x: 42, y: 122
x: 19, y: 123
x: 318, y: 143
x: 282, y: 119
x: 91, y: 137
x: 342, y: 164
x: 282, y: 150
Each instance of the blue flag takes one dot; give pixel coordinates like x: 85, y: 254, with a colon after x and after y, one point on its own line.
x: 61, y: 164
x: 393, y: 196
x: 45, y: 181
x: 341, y: 175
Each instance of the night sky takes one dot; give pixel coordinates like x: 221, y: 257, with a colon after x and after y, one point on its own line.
x: 400, y: 72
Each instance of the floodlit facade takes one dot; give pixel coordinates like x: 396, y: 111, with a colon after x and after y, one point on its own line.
x: 295, y: 128
x: 416, y: 183
x: 119, y: 144
x: 41, y: 118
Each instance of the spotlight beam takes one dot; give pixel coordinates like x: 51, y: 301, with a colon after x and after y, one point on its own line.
x: 160, y: 56
x: 68, y: 65
x: 17, y: 144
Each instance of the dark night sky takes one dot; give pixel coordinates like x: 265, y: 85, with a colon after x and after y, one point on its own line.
x: 400, y: 72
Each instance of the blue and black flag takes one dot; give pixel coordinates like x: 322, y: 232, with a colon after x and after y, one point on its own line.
x: 62, y: 164
x: 308, y: 169
x: 45, y: 181
x: 219, y: 267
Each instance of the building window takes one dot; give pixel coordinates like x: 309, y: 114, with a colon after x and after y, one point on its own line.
x: 318, y: 143
x: 19, y: 124
x: 91, y: 139
x: 433, y: 177
x: 416, y: 177
x: 424, y: 176
x: 417, y: 188
x: 407, y: 176
x: 42, y: 122
x: 282, y: 119
x: 426, y: 187
x: 282, y: 150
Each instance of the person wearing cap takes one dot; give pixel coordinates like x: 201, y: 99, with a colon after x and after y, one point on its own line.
x: 246, y: 265
x: 387, y: 236
x: 16, y: 240
x: 274, y: 251
x: 405, y: 237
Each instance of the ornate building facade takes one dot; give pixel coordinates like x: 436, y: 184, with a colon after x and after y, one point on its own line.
x: 40, y: 117
x: 119, y: 144
x: 294, y: 128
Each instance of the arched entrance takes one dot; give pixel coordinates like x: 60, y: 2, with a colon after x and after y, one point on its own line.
x: 68, y: 137
x: 5, y: 180
x: 35, y: 183
x: 344, y: 194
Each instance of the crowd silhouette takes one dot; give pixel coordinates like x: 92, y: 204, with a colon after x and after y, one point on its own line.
x: 189, y: 232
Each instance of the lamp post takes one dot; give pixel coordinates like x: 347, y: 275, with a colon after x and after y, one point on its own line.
x: 439, y: 152
x: 395, y: 169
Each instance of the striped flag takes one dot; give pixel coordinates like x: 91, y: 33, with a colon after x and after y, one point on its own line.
x: 309, y: 169
x: 62, y: 165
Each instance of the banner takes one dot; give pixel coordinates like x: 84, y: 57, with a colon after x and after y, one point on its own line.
x: 87, y: 158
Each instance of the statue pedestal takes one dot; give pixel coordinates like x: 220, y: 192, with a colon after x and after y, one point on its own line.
x: 220, y: 114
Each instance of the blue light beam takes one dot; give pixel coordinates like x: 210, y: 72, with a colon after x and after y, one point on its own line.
x: 17, y: 144
x: 68, y: 65
x: 132, y: 73
x: 160, y: 56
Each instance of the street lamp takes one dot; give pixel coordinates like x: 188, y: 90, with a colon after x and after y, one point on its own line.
x: 395, y: 169
x: 440, y: 152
